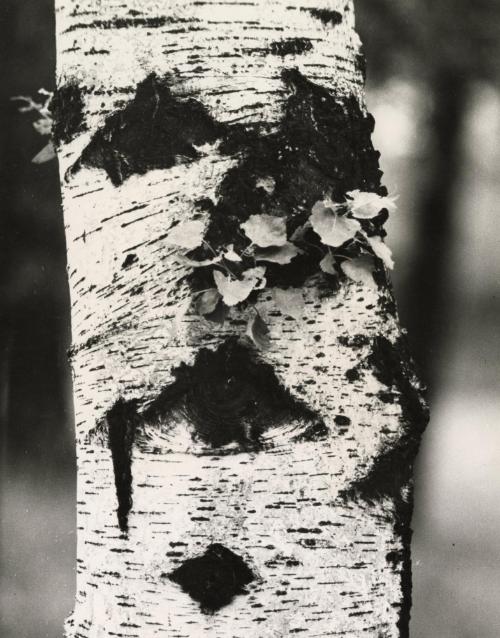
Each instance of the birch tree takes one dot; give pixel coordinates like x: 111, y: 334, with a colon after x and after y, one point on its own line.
x: 247, y: 414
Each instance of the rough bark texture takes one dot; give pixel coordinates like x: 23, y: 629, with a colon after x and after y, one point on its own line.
x: 224, y: 490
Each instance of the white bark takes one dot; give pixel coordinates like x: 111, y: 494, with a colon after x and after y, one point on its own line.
x: 320, y: 558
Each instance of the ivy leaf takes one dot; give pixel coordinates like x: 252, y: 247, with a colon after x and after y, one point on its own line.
x: 258, y: 274
x: 327, y: 264
x: 265, y: 230
x: 290, y: 302
x: 207, y: 301
x: 31, y: 105
x: 360, y: 270
x: 258, y: 332
x: 187, y: 234
x: 382, y: 250
x: 234, y: 291
x: 45, y: 155
x: 368, y: 205
x: 277, y: 254
x: 43, y: 126
x: 231, y: 255
x: 334, y: 229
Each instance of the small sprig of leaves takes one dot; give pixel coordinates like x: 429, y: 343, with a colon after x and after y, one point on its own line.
x: 341, y: 225
x: 346, y: 247
x: 43, y: 123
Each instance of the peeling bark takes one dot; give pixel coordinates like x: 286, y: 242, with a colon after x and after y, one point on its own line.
x: 225, y: 490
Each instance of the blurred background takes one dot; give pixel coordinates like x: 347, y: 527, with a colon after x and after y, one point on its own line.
x: 434, y: 89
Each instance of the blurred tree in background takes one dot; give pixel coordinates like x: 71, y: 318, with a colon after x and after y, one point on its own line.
x: 444, y: 46
x: 34, y: 325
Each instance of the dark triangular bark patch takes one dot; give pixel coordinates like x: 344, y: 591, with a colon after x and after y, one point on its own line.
x: 229, y: 397
x: 155, y: 130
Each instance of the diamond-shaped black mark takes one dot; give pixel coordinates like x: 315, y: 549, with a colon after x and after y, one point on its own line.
x: 214, y: 578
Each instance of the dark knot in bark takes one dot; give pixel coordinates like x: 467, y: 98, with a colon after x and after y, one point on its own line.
x: 228, y: 396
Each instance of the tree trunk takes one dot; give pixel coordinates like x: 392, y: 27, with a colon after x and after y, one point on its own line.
x: 436, y: 227
x: 244, y: 454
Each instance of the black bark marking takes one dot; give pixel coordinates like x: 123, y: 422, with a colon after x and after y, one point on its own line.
x: 354, y: 341
x: 395, y: 558
x: 392, y: 365
x: 67, y: 106
x: 353, y: 374
x: 126, y: 23
x: 154, y: 130
x: 130, y: 259
x: 315, y: 432
x: 94, y: 51
x: 122, y: 420
x: 327, y: 17
x: 321, y: 145
x: 281, y: 560
x: 214, y: 578
x: 290, y: 46
x: 389, y: 475
x: 229, y: 397
x: 392, y: 473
